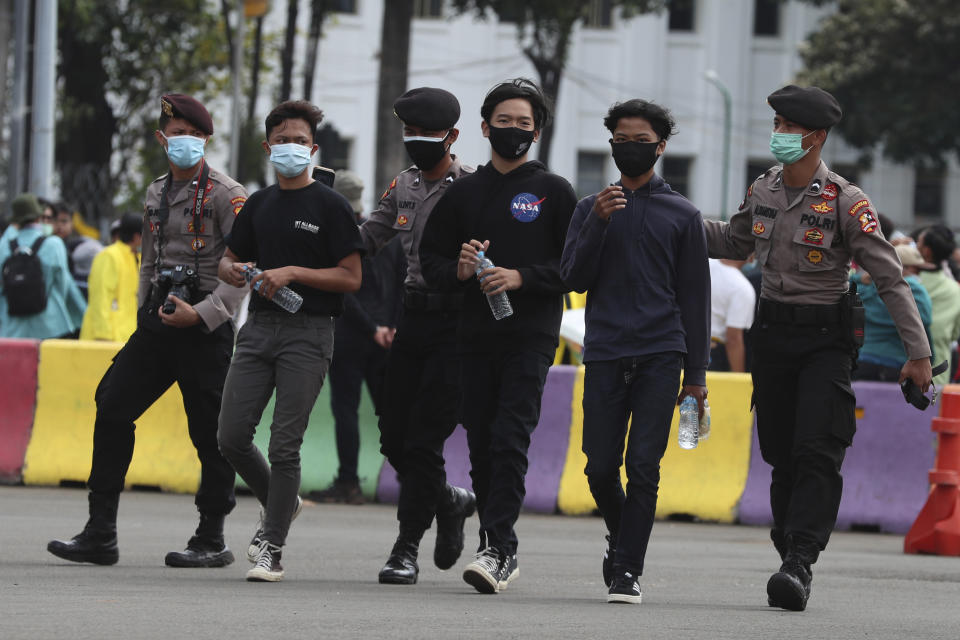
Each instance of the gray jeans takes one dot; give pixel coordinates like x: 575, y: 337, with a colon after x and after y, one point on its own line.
x: 290, y: 353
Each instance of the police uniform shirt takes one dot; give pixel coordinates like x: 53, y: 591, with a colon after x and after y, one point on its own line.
x: 804, y: 246
x: 312, y: 227
x: 403, y: 211
x: 222, y: 201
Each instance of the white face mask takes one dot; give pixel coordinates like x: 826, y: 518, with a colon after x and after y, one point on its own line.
x: 291, y: 159
x: 46, y: 228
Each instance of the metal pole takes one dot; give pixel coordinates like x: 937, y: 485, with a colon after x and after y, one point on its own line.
x: 18, y: 105
x: 714, y: 79
x: 44, y: 98
x: 236, y: 124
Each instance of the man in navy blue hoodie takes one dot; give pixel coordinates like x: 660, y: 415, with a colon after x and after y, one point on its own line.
x: 638, y: 248
x: 518, y: 213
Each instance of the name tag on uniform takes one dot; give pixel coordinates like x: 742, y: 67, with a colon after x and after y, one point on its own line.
x: 765, y: 211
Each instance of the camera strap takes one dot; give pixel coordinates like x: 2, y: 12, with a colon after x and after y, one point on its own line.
x: 163, y: 213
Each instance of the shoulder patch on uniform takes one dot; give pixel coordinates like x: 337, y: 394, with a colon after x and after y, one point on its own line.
x: 857, y: 206
x: 389, y: 189
x: 868, y: 221
x: 238, y: 203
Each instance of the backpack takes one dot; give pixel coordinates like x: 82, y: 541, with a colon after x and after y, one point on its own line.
x: 23, y: 284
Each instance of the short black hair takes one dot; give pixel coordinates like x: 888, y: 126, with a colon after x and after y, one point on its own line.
x: 660, y: 118
x: 939, y: 239
x: 518, y: 88
x: 295, y: 109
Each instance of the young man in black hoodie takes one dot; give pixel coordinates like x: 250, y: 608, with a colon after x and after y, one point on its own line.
x: 639, y: 249
x: 518, y: 213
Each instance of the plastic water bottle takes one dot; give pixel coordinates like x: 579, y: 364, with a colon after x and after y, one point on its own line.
x: 705, y: 421
x: 285, y: 297
x: 689, y: 431
x: 499, y: 302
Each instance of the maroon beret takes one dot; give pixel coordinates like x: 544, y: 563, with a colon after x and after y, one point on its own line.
x: 180, y: 105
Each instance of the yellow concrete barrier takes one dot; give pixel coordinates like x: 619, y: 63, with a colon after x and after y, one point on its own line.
x: 62, y: 441
x: 706, y: 482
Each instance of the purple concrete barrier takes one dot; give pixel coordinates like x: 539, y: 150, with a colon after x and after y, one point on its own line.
x: 548, y: 448
x: 885, y: 471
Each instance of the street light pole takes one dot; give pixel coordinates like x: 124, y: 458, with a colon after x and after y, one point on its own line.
x: 712, y: 77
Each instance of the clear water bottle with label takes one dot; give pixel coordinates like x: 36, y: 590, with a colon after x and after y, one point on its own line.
x: 499, y: 302
x: 689, y: 431
x: 285, y: 297
x: 705, y: 421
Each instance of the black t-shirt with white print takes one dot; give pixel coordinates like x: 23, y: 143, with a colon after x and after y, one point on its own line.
x: 312, y: 227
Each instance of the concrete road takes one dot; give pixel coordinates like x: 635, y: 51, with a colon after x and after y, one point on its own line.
x: 701, y: 581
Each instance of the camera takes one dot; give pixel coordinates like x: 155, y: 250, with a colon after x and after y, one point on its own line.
x: 179, y: 281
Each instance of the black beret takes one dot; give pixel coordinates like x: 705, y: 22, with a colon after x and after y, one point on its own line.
x: 432, y: 109
x: 179, y: 105
x: 810, y: 107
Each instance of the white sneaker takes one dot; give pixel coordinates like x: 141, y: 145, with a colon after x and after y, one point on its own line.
x: 267, y: 568
x: 253, y: 551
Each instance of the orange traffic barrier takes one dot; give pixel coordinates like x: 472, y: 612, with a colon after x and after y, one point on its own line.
x: 937, y: 527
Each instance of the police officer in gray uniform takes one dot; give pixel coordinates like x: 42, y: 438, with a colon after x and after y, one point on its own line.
x: 421, y: 393
x: 183, y: 336
x: 805, y: 223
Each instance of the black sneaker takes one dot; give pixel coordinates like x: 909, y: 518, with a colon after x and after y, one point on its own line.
x: 339, y: 492
x: 267, y: 568
x: 790, y: 587
x: 253, y: 550
x: 625, y: 588
x: 491, y: 571
x: 609, y: 555
x: 201, y: 554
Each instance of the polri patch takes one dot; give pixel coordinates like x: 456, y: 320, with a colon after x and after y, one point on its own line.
x: 813, y: 236
x: 829, y: 192
x: 389, y: 189
x: 868, y: 222
x: 237, y: 203
x: 859, y: 205
x: 815, y: 256
x: 758, y: 227
x: 525, y: 207
x: 402, y: 220
x: 821, y: 207
x: 198, y: 244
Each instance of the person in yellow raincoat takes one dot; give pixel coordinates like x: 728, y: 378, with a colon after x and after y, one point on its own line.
x: 114, y: 277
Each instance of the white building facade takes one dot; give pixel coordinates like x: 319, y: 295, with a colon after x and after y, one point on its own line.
x: 751, y: 45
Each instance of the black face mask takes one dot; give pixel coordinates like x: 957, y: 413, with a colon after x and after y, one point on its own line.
x: 634, y: 159
x: 510, y: 143
x: 426, y: 153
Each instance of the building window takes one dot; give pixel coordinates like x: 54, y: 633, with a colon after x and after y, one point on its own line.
x: 341, y: 6
x: 928, y: 194
x: 676, y: 172
x: 766, y: 17
x: 755, y: 169
x: 334, y: 150
x: 427, y: 8
x: 682, y: 15
x: 599, y: 14
x: 590, y: 175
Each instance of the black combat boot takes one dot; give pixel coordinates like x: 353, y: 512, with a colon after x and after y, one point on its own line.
x: 455, y: 506
x: 206, y: 548
x: 401, y: 567
x: 97, y: 543
x: 790, y: 587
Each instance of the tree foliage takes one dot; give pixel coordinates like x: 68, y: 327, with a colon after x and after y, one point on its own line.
x: 893, y: 66
x: 116, y: 60
x: 544, y: 29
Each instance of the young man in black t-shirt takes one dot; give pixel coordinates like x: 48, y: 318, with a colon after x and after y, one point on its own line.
x: 301, y: 234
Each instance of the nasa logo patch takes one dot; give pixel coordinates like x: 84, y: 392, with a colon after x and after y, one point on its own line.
x: 525, y: 207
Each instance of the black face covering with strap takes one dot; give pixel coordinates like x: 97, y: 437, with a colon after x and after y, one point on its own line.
x: 634, y: 159
x: 510, y: 143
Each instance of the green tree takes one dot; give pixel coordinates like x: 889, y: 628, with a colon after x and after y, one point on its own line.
x: 116, y: 60
x: 544, y: 28
x: 893, y: 66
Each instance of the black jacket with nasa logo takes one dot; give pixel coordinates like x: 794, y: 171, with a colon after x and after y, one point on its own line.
x: 524, y: 214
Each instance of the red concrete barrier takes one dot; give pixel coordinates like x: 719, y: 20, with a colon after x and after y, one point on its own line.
x: 18, y: 395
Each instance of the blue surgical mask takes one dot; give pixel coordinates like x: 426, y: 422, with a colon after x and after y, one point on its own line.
x: 787, y: 148
x: 291, y: 159
x: 46, y: 229
x: 184, y: 151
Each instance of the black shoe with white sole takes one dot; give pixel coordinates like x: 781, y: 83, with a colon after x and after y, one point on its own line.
x: 491, y: 571
x: 625, y: 588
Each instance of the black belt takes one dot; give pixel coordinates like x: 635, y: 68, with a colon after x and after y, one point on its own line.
x: 432, y: 301
x: 799, y: 314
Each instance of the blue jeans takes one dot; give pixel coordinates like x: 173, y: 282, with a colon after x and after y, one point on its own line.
x: 646, y: 387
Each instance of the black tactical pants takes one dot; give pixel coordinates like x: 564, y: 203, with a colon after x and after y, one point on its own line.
x: 502, y: 389
x: 805, y: 422
x: 418, y: 411
x: 153, y: 359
